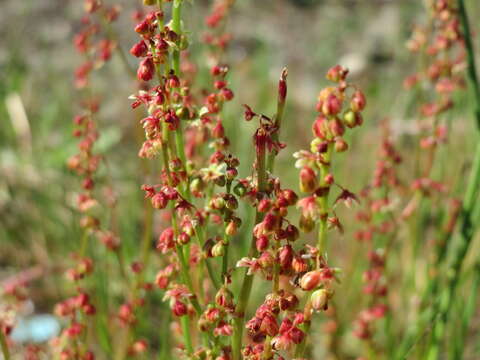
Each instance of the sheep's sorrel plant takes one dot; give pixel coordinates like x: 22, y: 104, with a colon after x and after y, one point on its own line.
x: 202, y: 200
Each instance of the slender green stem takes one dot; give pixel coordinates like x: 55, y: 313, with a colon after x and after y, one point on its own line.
x: 185, y: 323
x: 282, y: 93
x: 4, y: 346
x: 472, y: 71
x: 247, y: 283
x: 468, y: 313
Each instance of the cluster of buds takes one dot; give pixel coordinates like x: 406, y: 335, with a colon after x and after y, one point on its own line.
x: 96, y: 46
x: 441, y: 44
x: 216, y: 36
x: 338, y: 111
x: 156, y: 44
x: 377, y: 233
x: 284, y: 333
x: 375, y: 288
x: 274, y: 236
x: 91, y: 42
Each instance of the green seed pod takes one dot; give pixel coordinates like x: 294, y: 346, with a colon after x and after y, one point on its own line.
x: 239, y: 190
x: 349, y: 119
x: 218, y: 250
x: 306, y: 224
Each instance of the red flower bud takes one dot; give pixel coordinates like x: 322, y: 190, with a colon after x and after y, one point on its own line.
x: 262, y: 243
x: 319, y: 299
x: 358, y: 101
x: 332, y: 105
x: 146, y: 69
x: 336, y: 127
x: 179, y: 308
x: 159, y: 201
x: 337, y: 73
x: 319, y: 127
x: 285, y: 256
x: 308, y: 180
x: 140, y: 49
x: 310, y: 280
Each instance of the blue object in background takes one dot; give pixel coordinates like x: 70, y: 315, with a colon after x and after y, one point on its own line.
x: 36, y: 329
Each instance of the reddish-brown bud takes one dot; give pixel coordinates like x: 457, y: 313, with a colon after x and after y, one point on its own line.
x: 299, y: 265
x: 332, y: 105
x: 319, y: 299
x: 336, y: 127
x: 159, y: 201
x: 285, y: 256
x: 262, y: 243
x: 146, y: 69
x: 179, y: 308
x: 337, y: 73
x: 341, y: 145
x: 264, y: 205
x: 310, y: 280
x: 308, y: 180
x: 282, y: 86
x: 358, y: 101
x: 140, y: 49
x: 319, y: 127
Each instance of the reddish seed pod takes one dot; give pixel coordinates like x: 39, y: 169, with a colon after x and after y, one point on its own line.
x: 159, y: 201
x: 336, y: 127
x: 310, y: 280
x: 231, y: 228
x: 146, y: 69
x: 332, y: 105
x: 140, y: 49
x: 142, y: 28
x: 270, y: 222
x: 337, y: 73
x: 341, y: 145
x: 319, y: 299
x: 290, y: 196
x: 285, y: 257
x: 183, y: 238
x: 179, y: 308
x: 89, y: 309
x: 282, y: 86
x: 319, y: 127
x: 226, y: 94
x: 358, y: 101
x: 266, y: 260
x: 299, y: 265
x: 308, y: 180
x: 292, y: 233
x: 262, y: 243
x: 264, y: 205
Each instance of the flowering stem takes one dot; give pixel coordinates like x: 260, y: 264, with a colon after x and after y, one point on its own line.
x: 177, y: 28
x: 247, y: 283
x: 323, y: 202
x: 282, y: 94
